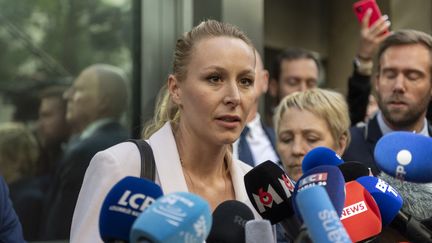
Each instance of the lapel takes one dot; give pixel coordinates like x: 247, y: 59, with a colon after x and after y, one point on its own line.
x: 372, y: 133
x: 167, y: 160
x: 169, y: 169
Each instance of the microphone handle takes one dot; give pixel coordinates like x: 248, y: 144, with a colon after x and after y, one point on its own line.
x: 292, y: 227
x: 411, y: 228
x: 303, y: 236
x: 143, y: 240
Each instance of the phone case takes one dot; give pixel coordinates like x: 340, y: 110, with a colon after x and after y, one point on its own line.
x: 361, y: 7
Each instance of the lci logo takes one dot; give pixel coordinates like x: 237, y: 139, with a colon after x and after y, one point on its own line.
x: 314, y: 179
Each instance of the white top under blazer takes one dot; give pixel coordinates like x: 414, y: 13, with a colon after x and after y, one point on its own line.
x: 113, y: 164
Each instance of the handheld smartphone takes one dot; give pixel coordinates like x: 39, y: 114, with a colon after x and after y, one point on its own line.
x: 362, y: 6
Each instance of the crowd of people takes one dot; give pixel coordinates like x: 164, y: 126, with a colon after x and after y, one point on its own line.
x: 207, y: 132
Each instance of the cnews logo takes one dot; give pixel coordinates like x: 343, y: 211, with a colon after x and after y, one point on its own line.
x: 354, y: 209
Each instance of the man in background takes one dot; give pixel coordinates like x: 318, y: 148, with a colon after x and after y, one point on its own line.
x: 95, y: 103
x: 257, y: 141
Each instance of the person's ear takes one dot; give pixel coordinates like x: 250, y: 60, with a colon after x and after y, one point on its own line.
x: 273, y: 88
x: 342, y: 144
x: 375, y: 80
x: 174, y: 89
x: 265, y: 80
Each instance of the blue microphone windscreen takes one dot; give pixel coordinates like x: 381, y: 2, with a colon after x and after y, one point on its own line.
x: 320, y: 156
x: 387, y: 198
x: 319, y: 216
x: 123, y: 203
x: 176, y: 217
x: 405, y: 155
x: 331, y: 178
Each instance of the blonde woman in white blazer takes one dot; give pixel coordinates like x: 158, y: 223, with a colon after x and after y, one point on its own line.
x: 202, y: 112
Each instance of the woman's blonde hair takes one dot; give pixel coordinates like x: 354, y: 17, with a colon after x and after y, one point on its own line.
x: 328, y: 105
x: 166, y: 110
x: 19, y: 152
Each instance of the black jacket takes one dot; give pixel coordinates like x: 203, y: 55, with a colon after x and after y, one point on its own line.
x: 63, y: 194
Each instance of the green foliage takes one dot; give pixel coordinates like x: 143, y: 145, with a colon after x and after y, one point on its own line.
x: 59, y: 38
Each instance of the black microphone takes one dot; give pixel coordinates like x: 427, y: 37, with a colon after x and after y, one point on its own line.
x: 269, y: 189
x: 229, y: 219
x: 351, y: 170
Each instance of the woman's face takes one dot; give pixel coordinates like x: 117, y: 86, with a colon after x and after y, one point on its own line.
x: 299, y: 132
x: 218, y: 91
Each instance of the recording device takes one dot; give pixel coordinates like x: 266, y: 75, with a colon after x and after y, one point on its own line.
x: 405, y: 156
x: 269, y: 189
x: 361, y: 216
x: 175, y: 218
x: 351, y: 170
x: 327, y: 176
x: 390, y: 204
x: 319, y: 216
x: 259, y: 231
x: 320, y: 156
x: 229, y: 220
x: 361, y: 7
x: 387, y: 198
x: 122, y: 205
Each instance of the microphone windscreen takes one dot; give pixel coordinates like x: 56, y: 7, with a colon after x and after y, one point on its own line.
x: 258, y: 231
x: 331, y: 178
x: 176, y: 217
x: 320, y: 156
x: 269, y: 190
x: 319, y: 215
x: 405, y: 155
x: 122, y: 205
x: 387, y: 198
x: 360, y: 216
x: 229, y: 219
x: 351, y: 170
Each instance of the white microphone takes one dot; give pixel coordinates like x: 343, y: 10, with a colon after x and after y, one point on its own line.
x: 259, y: 231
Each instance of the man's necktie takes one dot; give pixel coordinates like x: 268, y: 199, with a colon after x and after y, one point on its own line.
x: 244, y: 151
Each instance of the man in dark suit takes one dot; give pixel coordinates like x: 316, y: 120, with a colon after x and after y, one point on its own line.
x: 96, y: 101
x: 257, y: 141
x: 10, y: 227
x: 403, y: 85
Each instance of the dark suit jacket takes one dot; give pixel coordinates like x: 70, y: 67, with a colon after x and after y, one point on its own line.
x: 27, y: 195
x: 10, y: 227
x: 69, y: 176
x: 362, y: 145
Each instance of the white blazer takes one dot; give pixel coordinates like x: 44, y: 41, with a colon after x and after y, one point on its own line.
x: 113, y: 164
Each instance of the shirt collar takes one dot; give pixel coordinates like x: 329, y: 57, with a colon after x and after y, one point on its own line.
x: 254, y: 124
x: 91, y: 129
x: 386, y: 129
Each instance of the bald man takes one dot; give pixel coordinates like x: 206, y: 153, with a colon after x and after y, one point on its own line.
x: 95, y: 103
x: 257, y: 141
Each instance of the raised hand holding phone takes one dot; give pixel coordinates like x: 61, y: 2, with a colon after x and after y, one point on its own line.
x: 374, y: 28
